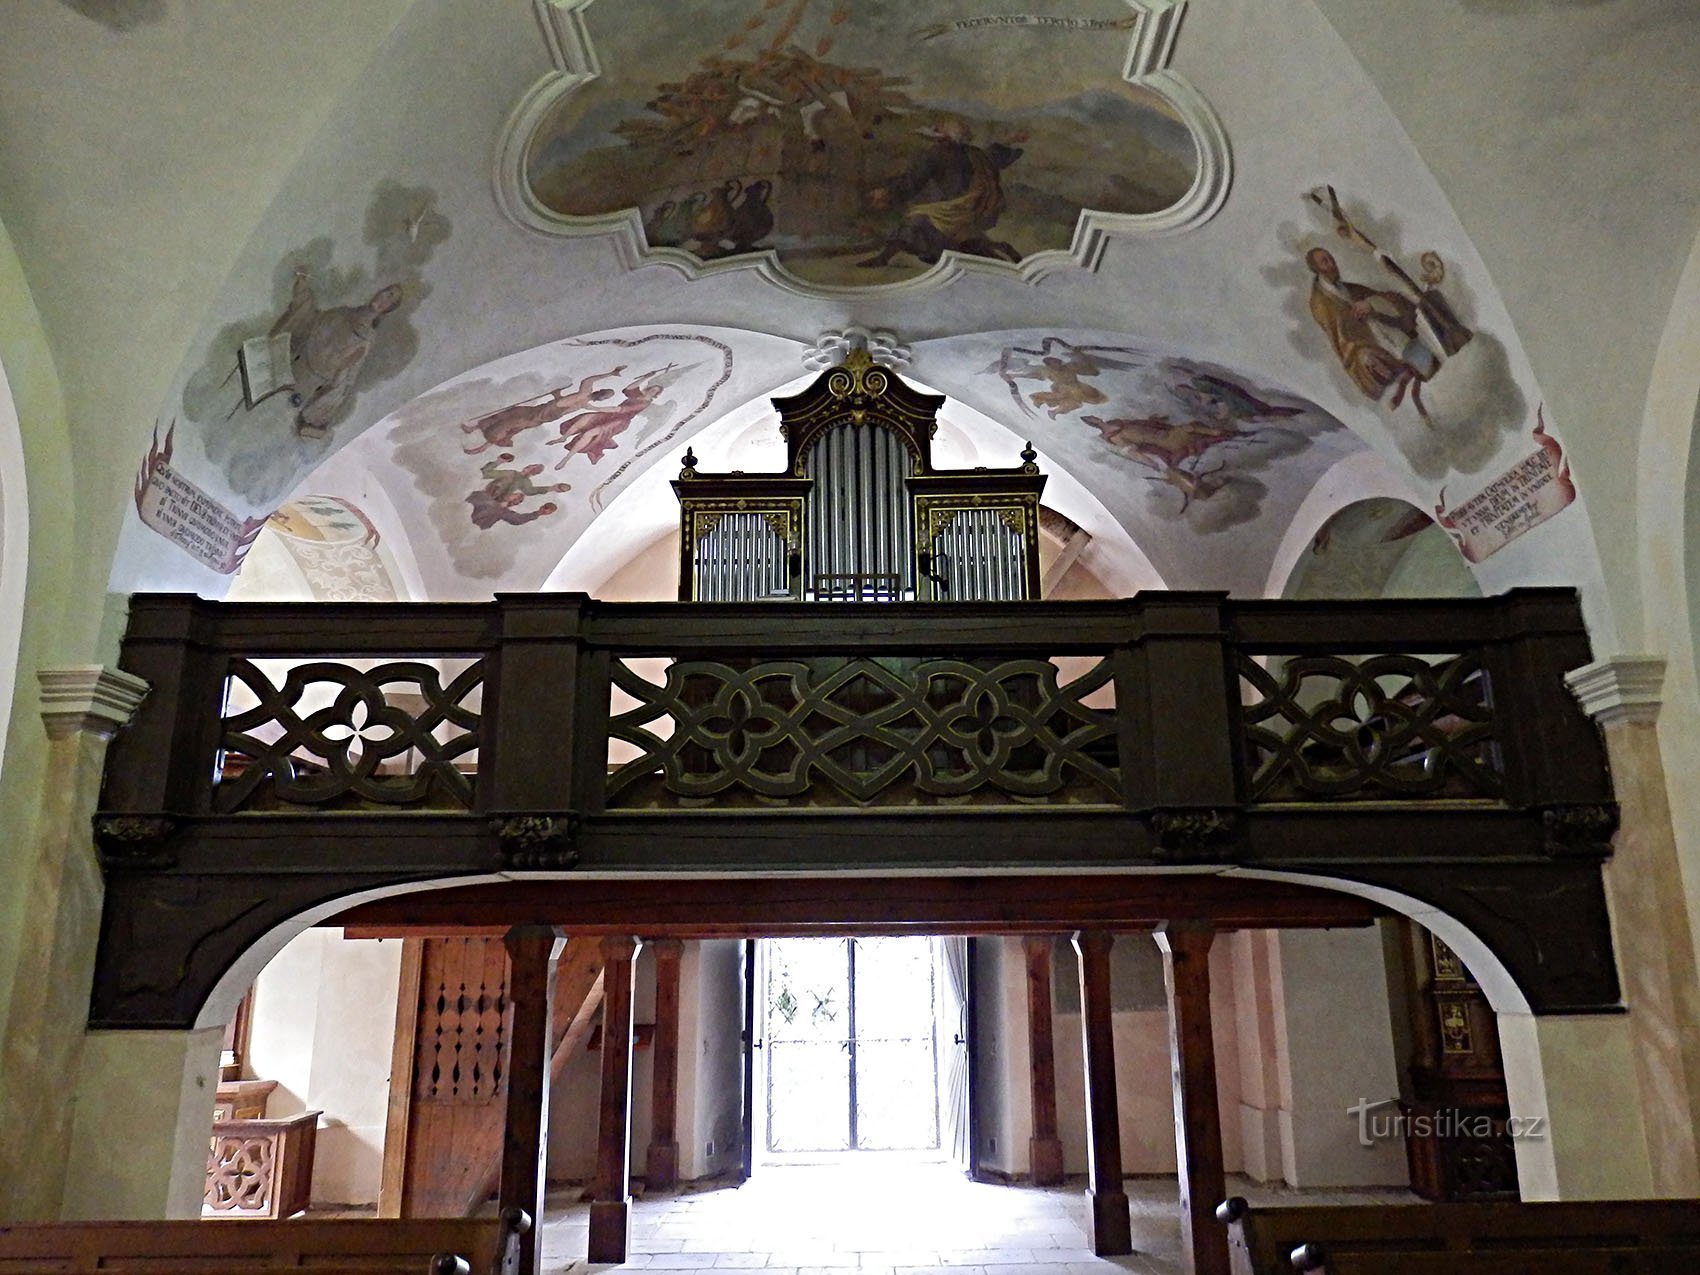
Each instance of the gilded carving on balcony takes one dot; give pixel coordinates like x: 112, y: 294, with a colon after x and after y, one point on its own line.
x: 861, y: 731
x: 334, y: 735
x: 1386, y: 726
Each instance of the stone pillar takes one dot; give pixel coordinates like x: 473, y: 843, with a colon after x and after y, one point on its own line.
x: 81, y: 707
x: 143, y: 1115
x: 661, y: 1169
x: 1655, y: 948
x: 1334, y: 1043
x: 1256, y: 964
x: 532, y: 952
x: 611, y: 1211
x: 1112, y: 1226
x: 1045, y: 1153
x: 1575, y: 1106
x: 1198, y: 1121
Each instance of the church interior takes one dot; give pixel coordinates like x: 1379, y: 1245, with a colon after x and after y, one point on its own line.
x: 632, y: 630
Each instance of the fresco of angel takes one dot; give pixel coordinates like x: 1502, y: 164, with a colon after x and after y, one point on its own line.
x: 1065, y: 369
x: 502, y: 426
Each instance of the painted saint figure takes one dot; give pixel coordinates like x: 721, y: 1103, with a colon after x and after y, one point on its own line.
x: 1373, y: 332
x: 958, y: 197
x: 501, y: 427
x: 1383, y: 338
x: 327, y: 350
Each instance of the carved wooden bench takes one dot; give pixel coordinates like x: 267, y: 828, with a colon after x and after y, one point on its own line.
x: 1609, y: 1237
x: 346, y: 1246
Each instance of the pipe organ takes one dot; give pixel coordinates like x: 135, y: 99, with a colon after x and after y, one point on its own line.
x: 860, y: 513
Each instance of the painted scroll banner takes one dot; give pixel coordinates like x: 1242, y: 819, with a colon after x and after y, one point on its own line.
x: 1520, y: 499
x: 185, y: 515
x: 1030, y: 20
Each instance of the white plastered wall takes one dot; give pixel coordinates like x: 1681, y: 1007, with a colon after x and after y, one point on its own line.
x: 324, y: 1028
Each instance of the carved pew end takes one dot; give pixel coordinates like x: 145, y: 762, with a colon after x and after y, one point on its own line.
x: 516, y: 1223
x: 1232, y: 1209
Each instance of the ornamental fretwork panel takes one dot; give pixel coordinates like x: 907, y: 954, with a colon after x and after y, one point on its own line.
x: 337, y: 735
x: 1375, y: 728
x: 849, y: 731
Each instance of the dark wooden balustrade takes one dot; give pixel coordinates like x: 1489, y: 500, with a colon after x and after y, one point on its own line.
x: 291, y: 755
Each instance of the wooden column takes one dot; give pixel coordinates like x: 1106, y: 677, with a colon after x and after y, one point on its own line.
x: 532, y: 950
x: 1045, y: 1148
x: 1198, y: 1121
x: 661, y: 1170
x: 1112, y: 1229
x: 611, y: 1212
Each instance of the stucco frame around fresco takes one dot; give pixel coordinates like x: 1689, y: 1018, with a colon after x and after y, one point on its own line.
x: 1155, y: 26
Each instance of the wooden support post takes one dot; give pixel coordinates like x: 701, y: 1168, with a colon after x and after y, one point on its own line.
x: 532, y: 950
x: 661, y: 1170
x: 611, y: 1212
x: 1112, y: 1228
x: 1045, y: 1155
x: 1198, y: 1121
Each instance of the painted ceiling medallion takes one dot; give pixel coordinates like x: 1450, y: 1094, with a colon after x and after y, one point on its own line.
x: 848, y: 146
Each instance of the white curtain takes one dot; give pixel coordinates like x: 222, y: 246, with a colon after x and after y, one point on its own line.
x: 953, y: 1046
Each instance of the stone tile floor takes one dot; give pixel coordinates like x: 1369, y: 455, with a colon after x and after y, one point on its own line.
x: 877, y: 1217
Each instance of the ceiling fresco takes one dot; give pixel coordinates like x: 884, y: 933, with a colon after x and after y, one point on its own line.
x: 840, y: 137
x: 503, y: 386
x: 508, y: 464
x: 1395, y: 325
x: 498, y: 473
x: 1203, y: 465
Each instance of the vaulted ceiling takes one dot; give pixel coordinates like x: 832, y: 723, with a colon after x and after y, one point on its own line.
x: 693, y: 193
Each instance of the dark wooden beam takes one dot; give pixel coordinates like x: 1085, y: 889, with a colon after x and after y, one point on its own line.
x: 532, y: 950
x: 1198, y: 1121
x: 1045, y: 1153
x: 661, y: 1166
x: 611, y: 1211
x: 763, y: 907
x: 1112, y: 1227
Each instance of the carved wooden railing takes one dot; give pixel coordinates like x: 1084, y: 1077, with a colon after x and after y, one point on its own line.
x: 289, y: 755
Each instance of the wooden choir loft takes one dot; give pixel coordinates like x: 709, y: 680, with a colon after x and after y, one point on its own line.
x: 566, y: 780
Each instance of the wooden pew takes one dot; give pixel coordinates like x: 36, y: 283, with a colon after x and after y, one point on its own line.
x: 345, y: 1246
x: 1609, y: 1237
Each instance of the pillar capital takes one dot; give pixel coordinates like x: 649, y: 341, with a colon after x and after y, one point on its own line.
x: 1625, y: 688
x: 1092, y: 941
x: 620, y: 947
x: 89, y: 698
x: 1182, y: 938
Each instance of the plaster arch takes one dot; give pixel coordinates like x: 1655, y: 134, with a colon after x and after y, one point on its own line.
x: 1543, y: 1162
x: 1358, y: 477
x: 14, y: 547
x: 1376, y: 547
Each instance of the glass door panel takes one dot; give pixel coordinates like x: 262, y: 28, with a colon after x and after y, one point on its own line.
x: 852, y: 1060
